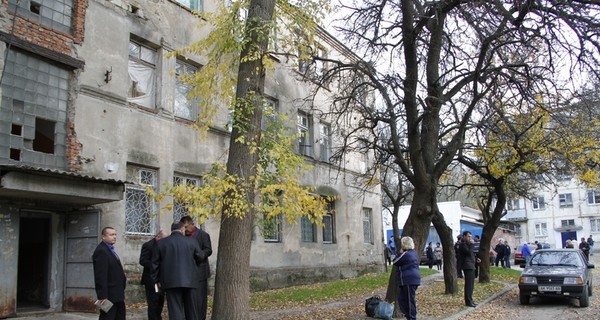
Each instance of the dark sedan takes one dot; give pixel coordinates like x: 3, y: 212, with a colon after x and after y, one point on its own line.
x: 557, y: 273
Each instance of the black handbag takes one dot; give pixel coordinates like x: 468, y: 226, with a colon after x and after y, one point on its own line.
x: 371, y: 305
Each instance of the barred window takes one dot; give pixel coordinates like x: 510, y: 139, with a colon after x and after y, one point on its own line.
x: 179, y: 206
x: 139, y: 205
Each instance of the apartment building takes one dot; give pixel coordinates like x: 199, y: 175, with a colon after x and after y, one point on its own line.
x: 92, y: 114
x: 569, y: 211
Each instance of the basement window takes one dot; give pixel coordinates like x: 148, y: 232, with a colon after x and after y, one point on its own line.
x: 44, y: 136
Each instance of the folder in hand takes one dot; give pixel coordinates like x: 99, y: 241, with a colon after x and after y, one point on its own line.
x: 104, y: 307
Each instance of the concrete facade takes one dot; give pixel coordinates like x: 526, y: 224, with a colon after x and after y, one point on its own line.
x: 570, y: 210
x: 78, y: 151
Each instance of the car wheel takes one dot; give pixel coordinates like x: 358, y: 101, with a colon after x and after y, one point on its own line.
x: 523, y: 299
x: 584, y: 301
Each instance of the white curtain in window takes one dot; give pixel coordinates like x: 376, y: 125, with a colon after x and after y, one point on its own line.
x: 142, y: 80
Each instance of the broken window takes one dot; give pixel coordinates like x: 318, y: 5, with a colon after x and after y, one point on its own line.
x: 142, y: 75
x: 185, y: 107
x: 44, y: 136
x: 56, y: 14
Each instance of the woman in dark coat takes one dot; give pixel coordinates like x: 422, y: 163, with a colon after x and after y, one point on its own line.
x: 409, y: 277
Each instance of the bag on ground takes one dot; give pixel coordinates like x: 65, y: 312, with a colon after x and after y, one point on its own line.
x: 385, y: 310
x: 371, y: 305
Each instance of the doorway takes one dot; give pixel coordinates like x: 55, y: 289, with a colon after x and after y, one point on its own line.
x: 33, y: 265
x: 567, y: 235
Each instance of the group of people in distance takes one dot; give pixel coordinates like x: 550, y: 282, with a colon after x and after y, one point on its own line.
x: 175, y: 267
x: 585, y: 246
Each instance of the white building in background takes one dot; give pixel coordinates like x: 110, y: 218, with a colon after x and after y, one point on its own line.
x: 458, y: 217
x: 569, y: 211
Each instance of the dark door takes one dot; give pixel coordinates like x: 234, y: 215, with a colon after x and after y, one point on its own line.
x: 82, y: 239
x: 33, y: 270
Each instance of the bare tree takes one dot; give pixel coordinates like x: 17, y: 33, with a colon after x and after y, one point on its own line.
x: 432, y: 63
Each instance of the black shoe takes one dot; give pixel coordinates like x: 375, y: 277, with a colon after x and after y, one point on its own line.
x: 471, y: 305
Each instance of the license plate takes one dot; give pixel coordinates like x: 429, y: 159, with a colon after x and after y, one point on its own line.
x: 549, y: 288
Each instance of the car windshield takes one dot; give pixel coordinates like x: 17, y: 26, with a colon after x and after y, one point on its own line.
x: 556, y: 258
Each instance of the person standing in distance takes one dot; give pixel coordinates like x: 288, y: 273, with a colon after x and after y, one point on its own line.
x: 203, y: 240
x: 468, y: 265
x: 155, y: 300
x: 409, y: 277
x: 175, y: 267
x: 590, y: 242
x: 109, y: 277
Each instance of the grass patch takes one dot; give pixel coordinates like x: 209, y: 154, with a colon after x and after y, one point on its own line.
x: 323, y: 292
x: 506, y: 275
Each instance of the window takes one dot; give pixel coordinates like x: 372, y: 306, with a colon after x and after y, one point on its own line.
x: 179, y: 206
x: 271, y: 229
x: 367, y: 225
x: 565, y: 200
x: 304, y: 130
x: 325, y: 142
x: 139, y: 205
x: 567, y: 223
x: 44, y: 136
x: 541, y: 229
x: 593, y: 197
x: 513, y: 204
x: 35, y: 96
x: 311, y: 61
x: 270, y: 110
x: 56, y: 14
x: 191, y: 4
x: 308, y: 229
x: 538, y: 203
x: 329, y: 224
x: 595, y: 224
x: 142, y: 75
x: 184, y: 106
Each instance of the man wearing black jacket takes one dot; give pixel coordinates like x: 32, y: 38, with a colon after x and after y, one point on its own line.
x: 155, y: 300
x: 175, y: 265
x: 203, y: 240
x: 468, y: 265
x: 109, y: 277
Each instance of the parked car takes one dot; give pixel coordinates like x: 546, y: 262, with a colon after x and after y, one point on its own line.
x: 557, y: 273
x: 519, y: 260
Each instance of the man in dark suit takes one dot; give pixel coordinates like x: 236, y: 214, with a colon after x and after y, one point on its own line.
x: 155, y: 300
x: 203, y: 240
x: 175, y: 267
x: 109, y: 277
x: 468, y: 265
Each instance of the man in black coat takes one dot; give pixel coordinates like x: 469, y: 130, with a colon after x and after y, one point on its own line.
x: 109, y: 277
x: 468, y: 265
x: 155, y: 300
x: 203, y: 240
x: 175, y: 265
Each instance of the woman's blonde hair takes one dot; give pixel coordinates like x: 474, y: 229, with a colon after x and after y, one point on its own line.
x: 407, y: 243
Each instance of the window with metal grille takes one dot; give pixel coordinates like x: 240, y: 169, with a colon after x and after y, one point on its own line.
x: 179, y: 209
x: 140, y: 207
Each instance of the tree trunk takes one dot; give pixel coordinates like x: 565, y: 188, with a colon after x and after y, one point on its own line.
x: 447, y: 239
x: 232, y: 285
x: 484, y: 249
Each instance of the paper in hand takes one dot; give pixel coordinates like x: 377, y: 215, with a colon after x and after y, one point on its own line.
x: 104, y: 307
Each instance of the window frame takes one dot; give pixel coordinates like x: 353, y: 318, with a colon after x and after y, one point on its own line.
x: 595, y: 224
x: 565, y: 200
x: 305, y: 143
x: 135, y: 173
x: 191, y: 105
x: 329, y: 236
x: 538, y: 203
x: 367, y: 218
x: 277, y: 222
x: 308, y: 230
x: 593, y: 197
x: 140, y: 61
x: 541, y: 229
x: 199, y: 5
x: 325, y: 149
